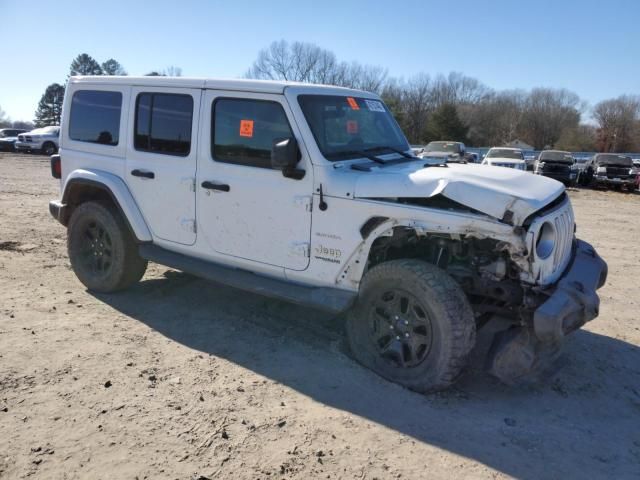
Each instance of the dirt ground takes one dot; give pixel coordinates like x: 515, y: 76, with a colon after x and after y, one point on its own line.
x: 182, y: 378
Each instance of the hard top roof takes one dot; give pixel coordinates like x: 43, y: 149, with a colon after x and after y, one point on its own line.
x: 244, y: 85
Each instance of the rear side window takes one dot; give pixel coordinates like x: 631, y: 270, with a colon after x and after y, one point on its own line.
x: 163, y: 123
x: 95, y: 117
x: 244, y: 130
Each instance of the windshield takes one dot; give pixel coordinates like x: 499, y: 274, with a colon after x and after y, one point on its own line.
x: 505, y: 153
x: 556, y: 157
x: 343, y: 127
x: 451, y: 147
x: 612, y: 159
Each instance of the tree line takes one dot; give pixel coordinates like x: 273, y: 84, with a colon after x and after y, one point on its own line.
x: 458, y: 107
x: 440, y: 107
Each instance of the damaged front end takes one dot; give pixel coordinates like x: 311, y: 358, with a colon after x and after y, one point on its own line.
x: 544, y: 284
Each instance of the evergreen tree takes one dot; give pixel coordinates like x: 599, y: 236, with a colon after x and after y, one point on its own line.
x: 445, y: 124
x: 113, y: 67
x: 50, y: 106
x: 84, y: 64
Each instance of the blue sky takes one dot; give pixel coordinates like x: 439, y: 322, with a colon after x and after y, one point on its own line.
x: 590, y: 47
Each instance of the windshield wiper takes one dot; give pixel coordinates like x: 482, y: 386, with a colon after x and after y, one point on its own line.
x: 395, y: 150
x: 361, y: 153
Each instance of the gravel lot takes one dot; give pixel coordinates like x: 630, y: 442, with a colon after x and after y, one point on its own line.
x: 181, y: 378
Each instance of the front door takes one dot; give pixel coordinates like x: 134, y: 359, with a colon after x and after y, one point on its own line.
x: 246, y: 209
x: 161, y: 159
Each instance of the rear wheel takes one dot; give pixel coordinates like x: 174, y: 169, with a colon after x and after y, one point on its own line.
x: 102, y: 250
x: 412, y: 324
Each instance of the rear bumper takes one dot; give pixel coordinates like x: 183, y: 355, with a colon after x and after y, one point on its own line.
x: 574, y: 301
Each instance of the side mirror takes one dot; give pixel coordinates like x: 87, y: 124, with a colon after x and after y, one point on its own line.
x: 285, y: 155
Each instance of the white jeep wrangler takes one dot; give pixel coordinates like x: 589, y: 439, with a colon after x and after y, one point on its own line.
x: 311, y: 194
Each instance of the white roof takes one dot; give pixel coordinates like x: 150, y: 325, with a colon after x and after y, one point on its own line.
x: 243, y: 85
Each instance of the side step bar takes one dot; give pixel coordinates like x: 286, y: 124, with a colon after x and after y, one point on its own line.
x: 328, y: 299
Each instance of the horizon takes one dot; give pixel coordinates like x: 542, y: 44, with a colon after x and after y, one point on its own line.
x: 505, y: 46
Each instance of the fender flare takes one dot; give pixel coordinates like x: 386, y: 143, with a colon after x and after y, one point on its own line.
x: 120, y: 194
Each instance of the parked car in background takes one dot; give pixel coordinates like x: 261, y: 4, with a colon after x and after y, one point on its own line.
x: 581, y: 164
x: 417, y: 149
x: 445, y: 151
x: 472, y: 157
x: 557, y: 164
x: 505, y: 157
x: 8, y: 138
x: 636, y: 165
x: 530, y: 161
x: 44, y: 140
x: 610, y: 170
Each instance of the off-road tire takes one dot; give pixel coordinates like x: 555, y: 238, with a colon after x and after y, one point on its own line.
x: 49, y: 148
x: 452, y: 324
x: 115, y: 247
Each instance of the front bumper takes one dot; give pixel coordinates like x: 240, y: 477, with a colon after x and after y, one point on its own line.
x: 561, y: 176
x: 24, y: 146
x: 614, y: 181
x: 574, y: 301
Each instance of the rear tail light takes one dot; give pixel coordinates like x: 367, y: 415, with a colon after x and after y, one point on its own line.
x: 56, y: 166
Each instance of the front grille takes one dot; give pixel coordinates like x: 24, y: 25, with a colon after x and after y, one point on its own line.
x: 21, y: 138
x: 556, y: 168
x: 28, y: 138
x: 547, y: 270
x: 617, y: 172
x: 564, y: 223
x: 508, y: 165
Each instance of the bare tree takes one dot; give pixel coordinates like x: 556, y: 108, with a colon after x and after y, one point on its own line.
x: 306, y: 62
x: 4, y: 120
x: 172, y: 71
x: 579, y: 139
x: 617, y: 121
x: 546, y: 113
x: 167, y: 72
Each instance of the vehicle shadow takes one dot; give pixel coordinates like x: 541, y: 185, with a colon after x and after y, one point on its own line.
x: 581, y: 420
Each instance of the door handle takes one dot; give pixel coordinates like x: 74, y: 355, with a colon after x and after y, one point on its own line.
x: 142, y: 173
x: 215, y: 186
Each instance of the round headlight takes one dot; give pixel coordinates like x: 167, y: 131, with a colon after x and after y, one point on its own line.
x: 546, y: 241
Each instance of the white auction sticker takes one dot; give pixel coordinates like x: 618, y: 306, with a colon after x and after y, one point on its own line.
x: 374, y: 105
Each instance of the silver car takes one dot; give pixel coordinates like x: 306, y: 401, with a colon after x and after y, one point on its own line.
x: 45, y: 140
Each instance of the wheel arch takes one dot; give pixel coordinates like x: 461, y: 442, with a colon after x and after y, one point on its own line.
x: 377, y: 227
x: 86, y: 185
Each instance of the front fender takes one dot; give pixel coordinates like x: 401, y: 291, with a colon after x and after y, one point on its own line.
x: 119, y: 193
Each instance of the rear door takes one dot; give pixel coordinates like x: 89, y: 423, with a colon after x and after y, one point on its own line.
x: 161, y: 159
x: 251, y: 211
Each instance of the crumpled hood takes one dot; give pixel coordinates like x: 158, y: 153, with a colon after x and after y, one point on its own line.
x: 491, y: 190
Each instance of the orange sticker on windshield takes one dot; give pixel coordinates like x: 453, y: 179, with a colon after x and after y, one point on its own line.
x: 352, y: 127
x: 246, y: 128
x: 352, y: 103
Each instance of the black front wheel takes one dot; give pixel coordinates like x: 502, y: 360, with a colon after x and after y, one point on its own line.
x: 412, y: 324
x: 49, y: 148
x: 102, y: 250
